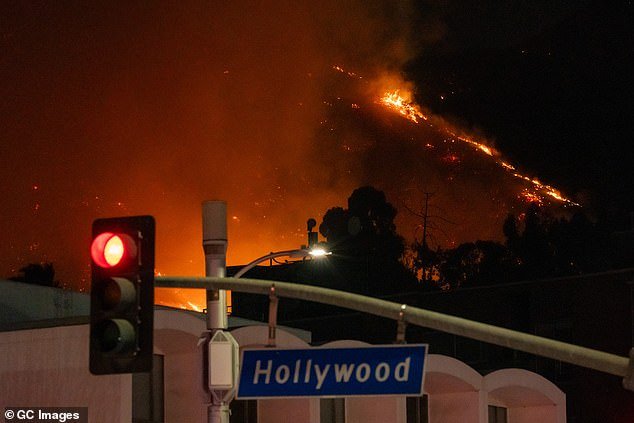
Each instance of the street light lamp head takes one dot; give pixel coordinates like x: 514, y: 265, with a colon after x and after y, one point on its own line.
x: 319, y: 252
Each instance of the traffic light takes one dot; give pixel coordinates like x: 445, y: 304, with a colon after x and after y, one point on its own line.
x: 122, y: 295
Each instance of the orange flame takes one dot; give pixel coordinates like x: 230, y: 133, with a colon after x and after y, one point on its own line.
x: 531, y: 197
x: 485, y: 149
x: 342, y: 70
x: 394, y: 101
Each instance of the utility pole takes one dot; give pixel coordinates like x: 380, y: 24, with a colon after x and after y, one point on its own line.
x: 427, y: 195
x: 424, y: 244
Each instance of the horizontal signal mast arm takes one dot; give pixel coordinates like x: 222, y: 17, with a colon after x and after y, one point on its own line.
x: 569, y: 353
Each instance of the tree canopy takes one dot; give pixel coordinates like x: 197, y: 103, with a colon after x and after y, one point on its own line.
x: 365, y: 244
x: 38, y: 274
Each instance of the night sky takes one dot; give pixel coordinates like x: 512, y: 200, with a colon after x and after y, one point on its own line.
x: 550, y: 82
x: 114, y: 109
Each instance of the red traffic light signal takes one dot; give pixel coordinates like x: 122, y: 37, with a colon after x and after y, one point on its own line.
x: 111, y: 249
x: 122, y: 295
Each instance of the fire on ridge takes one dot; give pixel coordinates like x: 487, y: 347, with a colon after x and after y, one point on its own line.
x: 537, y: 190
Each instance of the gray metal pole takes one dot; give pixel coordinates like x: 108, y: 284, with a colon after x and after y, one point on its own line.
x: 215, y: 247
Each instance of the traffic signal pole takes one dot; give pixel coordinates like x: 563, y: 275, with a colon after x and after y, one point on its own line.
x: 544, y: 347
x: 221, y: 365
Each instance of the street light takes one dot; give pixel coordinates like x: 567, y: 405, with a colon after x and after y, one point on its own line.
x: 319, y: 252
x: 316, y: 252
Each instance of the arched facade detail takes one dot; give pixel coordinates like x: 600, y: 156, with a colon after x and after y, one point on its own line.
x: 526, y: 395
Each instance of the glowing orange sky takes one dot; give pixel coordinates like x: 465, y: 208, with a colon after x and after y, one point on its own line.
x: 156, y: 108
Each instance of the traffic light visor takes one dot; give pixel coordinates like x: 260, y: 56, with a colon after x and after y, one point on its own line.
x: 109, y: 249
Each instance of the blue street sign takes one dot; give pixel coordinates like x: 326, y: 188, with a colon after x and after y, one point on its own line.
x: 332, y: 372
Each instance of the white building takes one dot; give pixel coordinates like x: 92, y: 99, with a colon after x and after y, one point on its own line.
x: 44, y: 335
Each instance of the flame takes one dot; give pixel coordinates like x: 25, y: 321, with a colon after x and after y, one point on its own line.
x: 507, y: 166
x: 186, y: 299
x: 484, y: 148
x: 342, y: 70
x: 393, y: 100
x: 193, y: 306
x: 531, y: 197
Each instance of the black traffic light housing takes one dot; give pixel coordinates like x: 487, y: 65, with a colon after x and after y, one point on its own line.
x: 122, y: 295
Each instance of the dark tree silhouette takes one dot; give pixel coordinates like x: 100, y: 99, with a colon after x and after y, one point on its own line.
x: 546, y: 247
x: 365, y: 244
x: 537, y: 246
x: 479, y: 263
x: 365, y: 227
x: 335, y: 225
x: 38, y: 274
x: 426, y: 261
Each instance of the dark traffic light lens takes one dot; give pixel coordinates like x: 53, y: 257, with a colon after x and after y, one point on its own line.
x: 116, y: 336
x: 111, y: 295
x: 117, y: 294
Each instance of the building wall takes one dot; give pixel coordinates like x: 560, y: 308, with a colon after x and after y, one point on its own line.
x: 49, y: 368
x: 456, y: 392
x: 288, y: 410
x: 176, y: 336
x: 456, y: 407
x: 541, y: 414
x: 376, y: 409
x: 527, y: 396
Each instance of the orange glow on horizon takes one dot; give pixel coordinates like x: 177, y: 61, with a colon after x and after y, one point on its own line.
x: 195, y: 299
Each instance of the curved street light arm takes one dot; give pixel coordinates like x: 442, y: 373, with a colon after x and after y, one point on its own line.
x: 252, y: 264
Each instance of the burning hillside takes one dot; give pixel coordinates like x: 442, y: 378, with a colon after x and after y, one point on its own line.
x: 388, y: 141
x: 370, y: 132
